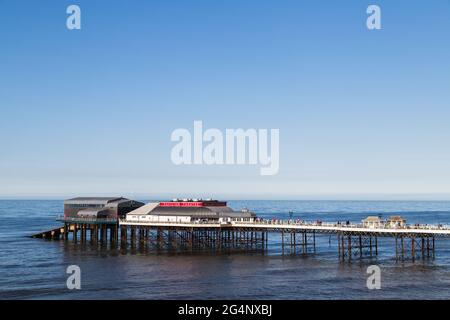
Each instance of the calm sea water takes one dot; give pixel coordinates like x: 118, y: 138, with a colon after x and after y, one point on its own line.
x: 36, y: 269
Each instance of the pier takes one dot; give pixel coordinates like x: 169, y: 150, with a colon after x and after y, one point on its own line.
x: 353, y: 240
x: 196, y: 224
x: 94, y: 230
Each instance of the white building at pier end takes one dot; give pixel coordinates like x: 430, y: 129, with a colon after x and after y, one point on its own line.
x: 189, y: 211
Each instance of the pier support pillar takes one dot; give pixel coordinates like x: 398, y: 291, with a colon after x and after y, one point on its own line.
x: 376, y: 245
x: 133, y: 235
x: 75, y: 232
x: 123, y: 236
x: 354, y: 244
x: 66, y: 231
x: 412, y: 246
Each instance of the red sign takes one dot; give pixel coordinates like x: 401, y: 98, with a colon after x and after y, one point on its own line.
x: 181, y: 204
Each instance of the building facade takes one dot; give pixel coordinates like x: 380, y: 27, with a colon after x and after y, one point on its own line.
x: 189, y: 211
x: 372, y: 222
x: 396, y: 222
x: 99, y: 207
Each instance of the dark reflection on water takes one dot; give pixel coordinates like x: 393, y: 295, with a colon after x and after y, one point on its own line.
x: 35, y: 269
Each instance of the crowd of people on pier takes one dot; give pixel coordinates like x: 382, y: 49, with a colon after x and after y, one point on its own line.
x: 318, y: 222
x: 346, y: 223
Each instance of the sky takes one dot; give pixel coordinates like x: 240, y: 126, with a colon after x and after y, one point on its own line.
x: 362, y: 114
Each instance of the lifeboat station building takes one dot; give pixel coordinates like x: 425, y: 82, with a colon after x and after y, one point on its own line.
x: 99, y: 207
x: 189, y: 211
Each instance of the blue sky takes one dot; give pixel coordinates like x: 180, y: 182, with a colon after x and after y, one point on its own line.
x: 362, y: 114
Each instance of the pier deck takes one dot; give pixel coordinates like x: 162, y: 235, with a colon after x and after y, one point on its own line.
x: 329, y: 228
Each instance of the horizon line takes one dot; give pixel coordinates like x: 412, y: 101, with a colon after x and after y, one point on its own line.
x: 254, y: 197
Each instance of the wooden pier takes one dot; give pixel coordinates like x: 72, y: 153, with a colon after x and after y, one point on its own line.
x: 353, y: 241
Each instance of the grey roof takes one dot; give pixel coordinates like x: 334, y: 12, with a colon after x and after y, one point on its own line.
x: 145, y: 209
x: 206, y: 212
x: 93, y: 200
x: 183, y: 211
x: 220, y: 209
x: 92, y: 211
x: 116, y: 203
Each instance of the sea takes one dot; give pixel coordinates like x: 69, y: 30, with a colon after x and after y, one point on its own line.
x: 37, y: 269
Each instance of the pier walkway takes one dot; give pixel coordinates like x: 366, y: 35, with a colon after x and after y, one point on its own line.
x: 333, y: 228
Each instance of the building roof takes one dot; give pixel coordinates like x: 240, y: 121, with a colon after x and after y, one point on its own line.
x: 396, y: 218
x: 118, y: 202
x: 145, y: 209
x: 94, y: 200
x: 198, y: 212
x: 372, y: 219
x: 184, y: 211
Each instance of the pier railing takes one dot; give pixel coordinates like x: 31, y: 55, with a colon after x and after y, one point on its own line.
x: 281, y: 223
x: 174, y: 222
x: 343, y: 225
x: 87, y: 220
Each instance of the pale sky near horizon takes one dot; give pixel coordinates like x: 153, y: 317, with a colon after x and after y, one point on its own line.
x: 361, y: 114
